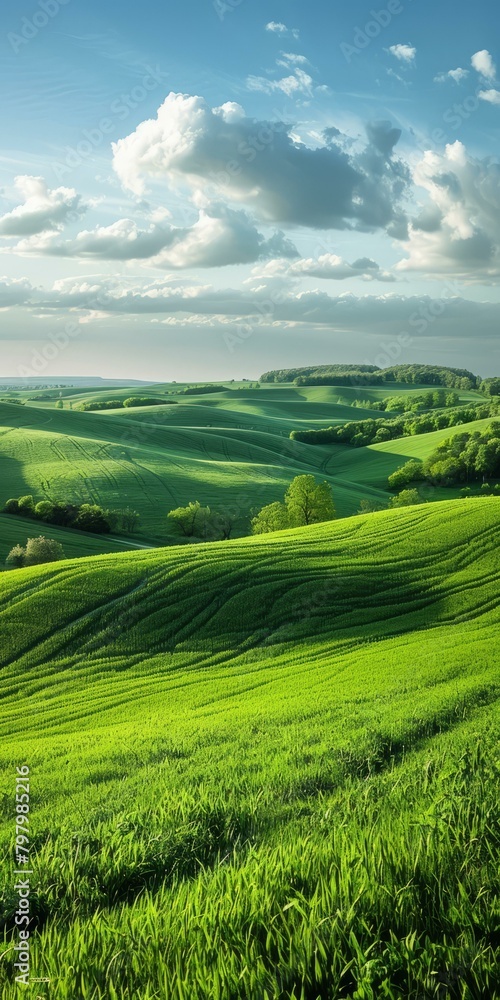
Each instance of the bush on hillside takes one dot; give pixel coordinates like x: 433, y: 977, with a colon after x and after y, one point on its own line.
x: 37, y: 551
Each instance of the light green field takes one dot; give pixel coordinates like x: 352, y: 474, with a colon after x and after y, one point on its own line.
x: 265, y: 768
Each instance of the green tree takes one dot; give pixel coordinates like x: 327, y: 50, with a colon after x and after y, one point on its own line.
x: 44, y: 510
x: 124, y: 520
x: 16, y: 557
x: 309, y: 502
x: 60, y: 404
x: 91, y: 517
x: 273, y: 517
x: 368, y: 507
x: 26, y: 504
x: 12, y: 506
x: 407, y: 473
x: 222, y: 522
x: 191, y: 520
x: 42, y: 550
x: 407, y: 498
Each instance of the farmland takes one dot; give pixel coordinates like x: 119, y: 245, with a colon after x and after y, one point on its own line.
x: 303, y: 802
x: 228, y: 448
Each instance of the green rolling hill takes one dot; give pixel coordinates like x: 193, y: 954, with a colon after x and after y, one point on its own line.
x: 263, y: 768
x: 228, y: 449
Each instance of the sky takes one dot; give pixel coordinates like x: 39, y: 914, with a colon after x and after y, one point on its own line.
x: 217, y: 188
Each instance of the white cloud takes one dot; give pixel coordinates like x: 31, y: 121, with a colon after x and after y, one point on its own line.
x: 298, y: 83
x: 261, y: 165
x: 281, y: 29
x: 292, y: 57
x: 14, y: 292
x: 491, y: 96
x: 459, y: 231
x: 328, y: 265
x: 404, y: 53
x: 42, y: 210
x: 449, y: 316
x: 220, y: 237
x: 483, y: 63
x: 457, y: 75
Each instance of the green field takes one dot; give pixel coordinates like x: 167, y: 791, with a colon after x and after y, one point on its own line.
x: 16, y: 531
x: 265, y: 768
x: 226, y: 449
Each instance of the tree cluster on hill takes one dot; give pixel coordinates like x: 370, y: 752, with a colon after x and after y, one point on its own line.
x: 431, y: 400
x: 467, y: 457
x: 36, y: 551
x: 490, y: 386
x: 200, y: 390
x: 450, y: 378
x: 305, y: 502
x: 290, y: 374
x: 360, y: 433
x: 195, y: 521
x: 83, y: 517
x: 117, y: 404
x: 359, y: 375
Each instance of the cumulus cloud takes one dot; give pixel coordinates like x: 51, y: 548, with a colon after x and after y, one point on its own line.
x: 262, y: 165
x: 483, y: 63
x: 220, y: 236
x: 42, y: 209
x: 491, y: 96
x: 459, y: 232
x: 281, y: 29
x: 457, y: 75
x: 298, y: 82
x: 14, y: 292
x: 404, y: 53
x: 328, y: 266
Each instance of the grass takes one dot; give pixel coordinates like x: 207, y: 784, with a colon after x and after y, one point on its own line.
x: 302, y: 803
x: 16, y: 531
x: 229, y: 449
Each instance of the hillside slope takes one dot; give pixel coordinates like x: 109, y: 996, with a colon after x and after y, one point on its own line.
x: 255, y: 766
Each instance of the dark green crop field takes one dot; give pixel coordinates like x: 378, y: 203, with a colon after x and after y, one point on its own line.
x: 265, y: 768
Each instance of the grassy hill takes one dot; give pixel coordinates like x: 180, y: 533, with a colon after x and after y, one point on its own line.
x: 16, y: 531
x: 264, y: 768
x: 228, y: 449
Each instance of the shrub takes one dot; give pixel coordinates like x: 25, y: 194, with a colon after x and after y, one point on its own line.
x: 42, y: 550
x: 407, y: 498
x: 16, y: 557
x: 12, y: 506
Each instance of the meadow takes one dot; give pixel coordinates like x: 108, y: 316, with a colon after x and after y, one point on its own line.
x: 227, y: 449
x: 264, y: 768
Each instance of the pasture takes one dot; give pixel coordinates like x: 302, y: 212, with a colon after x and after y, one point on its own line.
x: 228, y: 449
x: 263, y: 768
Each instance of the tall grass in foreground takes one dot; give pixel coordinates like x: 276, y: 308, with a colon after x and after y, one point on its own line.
x: 387, y: 888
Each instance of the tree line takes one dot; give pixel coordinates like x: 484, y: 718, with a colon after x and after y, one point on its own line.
x: 360, y: 433
x: 117, y: 404
x: 82, y: 517
x: 366, y: 375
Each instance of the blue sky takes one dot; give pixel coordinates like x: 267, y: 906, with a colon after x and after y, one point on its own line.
x: 211, y: 189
